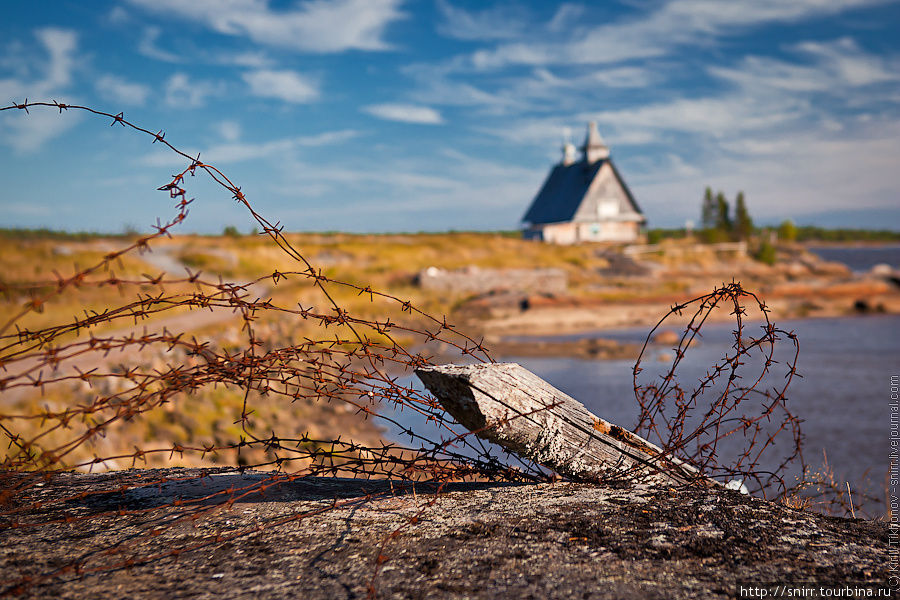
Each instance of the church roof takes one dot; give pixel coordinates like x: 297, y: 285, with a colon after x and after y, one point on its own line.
x: 564, y: 191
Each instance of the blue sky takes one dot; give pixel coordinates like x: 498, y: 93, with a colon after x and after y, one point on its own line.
x: 393, y: 115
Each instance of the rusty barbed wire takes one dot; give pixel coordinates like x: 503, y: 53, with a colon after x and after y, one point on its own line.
x: 71, y: 391
x: 691, y: 428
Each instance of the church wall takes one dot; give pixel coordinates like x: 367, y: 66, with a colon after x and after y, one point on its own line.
x: 609, y: 231
x: 560, y: 233
x: 604, y: 199
x: 598, y: 231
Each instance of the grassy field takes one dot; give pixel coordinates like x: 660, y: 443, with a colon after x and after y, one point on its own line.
x: 387, y: 263
x: 32, y: 264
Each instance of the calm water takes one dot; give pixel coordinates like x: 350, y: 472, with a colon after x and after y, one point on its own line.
x: 842, y: 396
x: 861, y: 258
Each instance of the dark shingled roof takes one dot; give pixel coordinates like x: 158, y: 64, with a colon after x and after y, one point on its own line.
x: 564, y: 190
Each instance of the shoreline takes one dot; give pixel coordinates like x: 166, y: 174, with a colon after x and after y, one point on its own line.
x: 850, y: 244
x: 598, y: 317
x: 640, y: 293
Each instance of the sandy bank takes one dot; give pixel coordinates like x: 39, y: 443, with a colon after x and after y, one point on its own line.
x: 809, y: 298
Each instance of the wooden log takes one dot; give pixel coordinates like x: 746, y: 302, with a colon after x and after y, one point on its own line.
x: 514, y: 408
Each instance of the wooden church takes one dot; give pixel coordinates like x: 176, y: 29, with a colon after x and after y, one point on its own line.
x: 584, y: 200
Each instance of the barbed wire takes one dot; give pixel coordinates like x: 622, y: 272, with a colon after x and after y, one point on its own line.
x: 691, y: 429
x: 66, y: 402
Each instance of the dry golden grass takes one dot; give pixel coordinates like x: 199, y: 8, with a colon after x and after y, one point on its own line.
x: 387, y: 263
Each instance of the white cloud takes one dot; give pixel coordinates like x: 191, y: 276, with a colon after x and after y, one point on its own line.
x: 798, y: 175
x: 543, y: 88
x: 496, y: 23
x: 435, y: 86
x: 60, y: 44
x: 121, y: 90
x: 27, y: 209
x: 711, y: 116
x: 405, y: 113
x: 148, y: 47
x: 400, y: 192
x: 675, y: 23
x: 837, y: 67
x: 183, y: 92
x: 763, y: 72
x: 254, y: 60
x: 847, y: 63
x: 289, y: 86
x: 533, y: 132
x: 676, y: 121
x: 326, y: 138
x: 28, y: 132
x: 313, y: 25
x: 230, y: 130
x: 118, y: 16
x: 548, y: 134
x: 234, y: 151
x: 565, y: 17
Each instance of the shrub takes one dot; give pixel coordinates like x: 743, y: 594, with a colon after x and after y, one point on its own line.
x: 765, y: 253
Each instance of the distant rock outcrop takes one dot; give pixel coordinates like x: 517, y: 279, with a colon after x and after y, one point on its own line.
x: 475, y: 280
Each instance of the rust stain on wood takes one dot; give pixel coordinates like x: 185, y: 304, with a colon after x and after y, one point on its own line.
x: 601, y: 426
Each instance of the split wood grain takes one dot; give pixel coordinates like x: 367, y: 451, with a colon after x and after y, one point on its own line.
x: 514, y: 408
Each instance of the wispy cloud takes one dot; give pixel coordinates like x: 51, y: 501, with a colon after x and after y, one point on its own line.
x: 847, y: 63
x: 118, y: 89
x: 405, y: 113
x: 719, y: 116
x: 229, y: 130
x: 835, y: 67
x: 565, y: 17
x: 60, y: 44
x: 236, y: 151
x: 118, y: 16
x: 548, y: 133
x: 54, y: 77
x: 408, y: 192
x: 184, y: 92
x: 255, y: 60
x: 312, y: 26
x: 802, y: 173
x: 675, y: 23
x: 495, y: 23
x: 435, y: 84
x: 28, y: 133
x: 148, y: 47
x: 285, y: 85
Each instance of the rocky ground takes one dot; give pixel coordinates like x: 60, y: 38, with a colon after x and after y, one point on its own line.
x: 800, y: 285
x: 476, y: 540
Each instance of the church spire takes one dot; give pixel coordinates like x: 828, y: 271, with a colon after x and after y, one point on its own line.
x: 568, y: 147
x: 594, y: 147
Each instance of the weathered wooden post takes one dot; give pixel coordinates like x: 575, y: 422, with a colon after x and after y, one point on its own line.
x: 514, y: 408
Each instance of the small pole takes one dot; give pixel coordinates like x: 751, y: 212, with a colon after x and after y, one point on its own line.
x: 850, y: 498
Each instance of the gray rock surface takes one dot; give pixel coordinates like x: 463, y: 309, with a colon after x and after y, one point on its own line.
x: 476, y: 540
